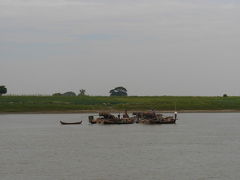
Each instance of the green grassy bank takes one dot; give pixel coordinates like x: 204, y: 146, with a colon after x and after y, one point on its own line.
x: 21, y: 104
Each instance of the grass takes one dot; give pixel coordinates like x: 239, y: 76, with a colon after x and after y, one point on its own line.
x: 19, y: 104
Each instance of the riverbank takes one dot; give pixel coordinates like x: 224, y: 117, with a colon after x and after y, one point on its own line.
x: 94, y: 104
x: 118, y: 111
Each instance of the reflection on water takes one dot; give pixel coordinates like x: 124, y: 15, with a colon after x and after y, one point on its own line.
x: 200, y: 146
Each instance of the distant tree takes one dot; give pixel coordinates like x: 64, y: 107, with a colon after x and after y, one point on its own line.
x: 70, y: 93
x: 118, y: 91
x: 225, y: 95
x: 3, y: 90
x: 57, y: 94
x: 82, y: 92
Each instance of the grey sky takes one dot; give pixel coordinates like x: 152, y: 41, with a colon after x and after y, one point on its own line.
x: 151, y: 47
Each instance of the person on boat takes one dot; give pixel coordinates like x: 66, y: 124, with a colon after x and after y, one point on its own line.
x: 175, y: 115
x: 125, y: 115
x: 153, y: 113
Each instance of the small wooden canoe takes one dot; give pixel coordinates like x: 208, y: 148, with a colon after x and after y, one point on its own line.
x: 70, y: 123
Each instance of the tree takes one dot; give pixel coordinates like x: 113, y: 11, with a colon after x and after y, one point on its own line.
x: 82, y: 92
x: 225, y: 95
x: 3, y: 90
x: 70, y: 93
x: 118, y: 91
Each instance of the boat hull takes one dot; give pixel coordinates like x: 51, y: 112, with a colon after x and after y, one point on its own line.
x: 111, y: 121
x: 118, y: 121
x: 72, y: 123
x: 167, y: 120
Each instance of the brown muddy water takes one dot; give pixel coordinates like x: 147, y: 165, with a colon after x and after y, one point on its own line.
x: 201, y: 146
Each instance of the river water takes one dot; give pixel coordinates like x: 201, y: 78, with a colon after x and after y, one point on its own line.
x: 200, y: 146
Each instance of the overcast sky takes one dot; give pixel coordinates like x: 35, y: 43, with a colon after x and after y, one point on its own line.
x: 151, y: 47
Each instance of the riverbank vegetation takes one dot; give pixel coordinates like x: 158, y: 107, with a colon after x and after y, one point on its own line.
x: 21, y: 104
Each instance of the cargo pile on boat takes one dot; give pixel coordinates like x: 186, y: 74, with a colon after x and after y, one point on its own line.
x: 138, y: 117
x: 154, y: 118
x: 108, y: 118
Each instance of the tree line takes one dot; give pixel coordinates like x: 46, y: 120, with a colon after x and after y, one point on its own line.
x: 118, y: 91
